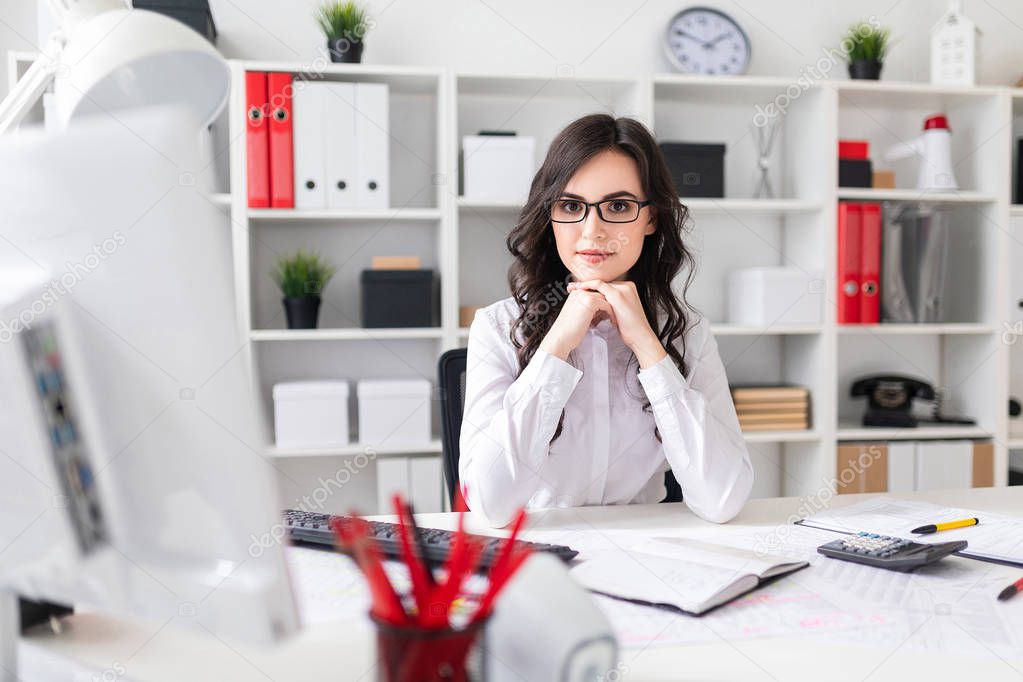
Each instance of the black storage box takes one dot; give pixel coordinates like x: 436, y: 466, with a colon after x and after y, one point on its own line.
x: 193, y: 13
x: 855, y: 173
x: 698, y: 169
x: 400, y: 298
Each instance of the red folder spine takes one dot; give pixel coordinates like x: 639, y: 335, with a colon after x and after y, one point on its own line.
x: 257, y: 142
x: 282, y: 183
x: 849, y: 263
x: 870, y: 265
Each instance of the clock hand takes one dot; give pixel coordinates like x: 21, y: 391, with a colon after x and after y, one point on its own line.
x: 718, y: 39
x: 690, y: 36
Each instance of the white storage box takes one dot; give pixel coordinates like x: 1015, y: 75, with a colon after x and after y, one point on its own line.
x: 497, y: 167
x: 769, y: 296
x: 394, y: 411
x: 311, y: 414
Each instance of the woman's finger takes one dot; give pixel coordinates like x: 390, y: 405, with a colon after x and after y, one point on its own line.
x: 586, y: 284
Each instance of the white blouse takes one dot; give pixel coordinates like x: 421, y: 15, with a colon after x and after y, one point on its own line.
x: 607, y: 452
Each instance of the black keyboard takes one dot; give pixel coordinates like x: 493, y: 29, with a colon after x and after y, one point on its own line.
x: 313, y: 528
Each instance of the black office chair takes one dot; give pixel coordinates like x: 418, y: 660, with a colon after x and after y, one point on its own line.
x: 451, y: 371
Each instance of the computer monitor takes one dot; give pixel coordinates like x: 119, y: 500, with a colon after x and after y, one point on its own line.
x: 133, y: 467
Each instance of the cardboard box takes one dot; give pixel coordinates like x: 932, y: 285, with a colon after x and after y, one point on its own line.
x: 884, y: 179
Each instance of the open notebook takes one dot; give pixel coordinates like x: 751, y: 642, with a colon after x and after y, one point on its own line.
x: 687, y: 575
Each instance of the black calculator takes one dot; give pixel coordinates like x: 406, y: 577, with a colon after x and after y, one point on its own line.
x: 884, y: 551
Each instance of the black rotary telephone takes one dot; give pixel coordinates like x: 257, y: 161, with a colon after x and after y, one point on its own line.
x: 890, y: 401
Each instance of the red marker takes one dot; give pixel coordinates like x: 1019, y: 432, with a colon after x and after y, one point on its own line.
x: 1011, y: 590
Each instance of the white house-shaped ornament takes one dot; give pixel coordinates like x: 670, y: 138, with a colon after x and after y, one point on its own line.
x: 954, y: 48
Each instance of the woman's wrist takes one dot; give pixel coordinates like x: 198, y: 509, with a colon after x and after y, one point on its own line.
x: 552, y: 347
x: 649, y: 352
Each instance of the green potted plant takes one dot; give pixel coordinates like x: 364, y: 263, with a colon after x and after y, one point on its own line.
x: 344, y: 23
x: 302, y: 278
x: 866, y: 46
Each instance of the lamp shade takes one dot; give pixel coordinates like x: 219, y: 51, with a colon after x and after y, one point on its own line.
x: 126, y: 58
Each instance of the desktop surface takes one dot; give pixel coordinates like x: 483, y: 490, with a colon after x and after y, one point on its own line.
x: 158, y: 651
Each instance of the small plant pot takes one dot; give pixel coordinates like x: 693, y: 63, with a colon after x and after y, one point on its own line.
x: 865, y: 70
x: 302, y: 313
x: 345, y: 51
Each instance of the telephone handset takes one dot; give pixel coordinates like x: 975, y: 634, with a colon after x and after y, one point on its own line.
x: 890, y: 401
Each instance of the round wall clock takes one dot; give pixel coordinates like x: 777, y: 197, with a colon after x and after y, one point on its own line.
x: 707, y: 41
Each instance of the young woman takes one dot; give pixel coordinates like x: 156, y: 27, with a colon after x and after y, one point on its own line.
x: 594, y: 378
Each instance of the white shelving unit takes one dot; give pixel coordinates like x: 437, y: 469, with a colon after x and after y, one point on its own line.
x: 420, y: 222
x: 464, y: 240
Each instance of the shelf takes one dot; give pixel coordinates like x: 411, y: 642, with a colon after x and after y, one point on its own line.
x: 433, y: 446
x: 914, y: 88
x: 743, y: 330
x: 553, y: 85
x: 922, y: 328
x: 921, y: 98
x: 1016, y: 210
x: 925, y: 196
x: 354, y: 334
x: 406, y: 79
x: 781, y: 436
x: 352, y: 215
x: 754, y: 206
x: 852, y: 431
x: 1015, y: 443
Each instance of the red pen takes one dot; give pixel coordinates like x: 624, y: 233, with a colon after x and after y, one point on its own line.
x: 354, y: 533
x: 504, y: 565
x: 497, y: 583
x: 1011, y: 590
x: 462, y: 559
x: 417, y: 572
x: 501, y: 561
x: 417, y: 535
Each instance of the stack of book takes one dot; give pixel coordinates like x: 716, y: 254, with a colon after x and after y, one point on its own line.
x: 772, y: 408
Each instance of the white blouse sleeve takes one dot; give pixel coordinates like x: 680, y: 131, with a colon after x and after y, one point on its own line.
x: 700, y: 431
x: 509, y: 420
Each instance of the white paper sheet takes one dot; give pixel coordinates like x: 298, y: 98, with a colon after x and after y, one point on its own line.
x: 996, y: 535
x: 950, y: 606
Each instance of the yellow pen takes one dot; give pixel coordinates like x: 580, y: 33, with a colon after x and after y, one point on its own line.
x: 948, y: 525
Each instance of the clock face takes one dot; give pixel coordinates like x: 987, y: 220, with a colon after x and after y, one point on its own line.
x: 704, y: 40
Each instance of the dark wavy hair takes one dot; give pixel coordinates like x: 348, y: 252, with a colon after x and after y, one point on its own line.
x: 538, y: 278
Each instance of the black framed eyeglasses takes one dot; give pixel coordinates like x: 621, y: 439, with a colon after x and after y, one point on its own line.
x: 609, y: 210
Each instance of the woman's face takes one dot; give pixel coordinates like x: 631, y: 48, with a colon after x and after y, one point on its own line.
x: 593, y: 248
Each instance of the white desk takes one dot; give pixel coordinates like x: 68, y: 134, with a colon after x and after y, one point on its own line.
x: 147, y: 651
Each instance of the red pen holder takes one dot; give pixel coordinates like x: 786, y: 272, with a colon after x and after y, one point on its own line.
x: 411, y: 654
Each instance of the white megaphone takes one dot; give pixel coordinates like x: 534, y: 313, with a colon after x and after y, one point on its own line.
x: 934, y: 147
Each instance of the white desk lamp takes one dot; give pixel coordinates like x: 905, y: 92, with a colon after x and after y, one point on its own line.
x: 107, y: 56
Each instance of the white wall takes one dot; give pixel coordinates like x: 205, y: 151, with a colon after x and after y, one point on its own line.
x: 602, y: 37
x: 613, y: 36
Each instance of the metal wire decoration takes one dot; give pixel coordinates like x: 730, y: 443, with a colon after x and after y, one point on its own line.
x: 765, y: 134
